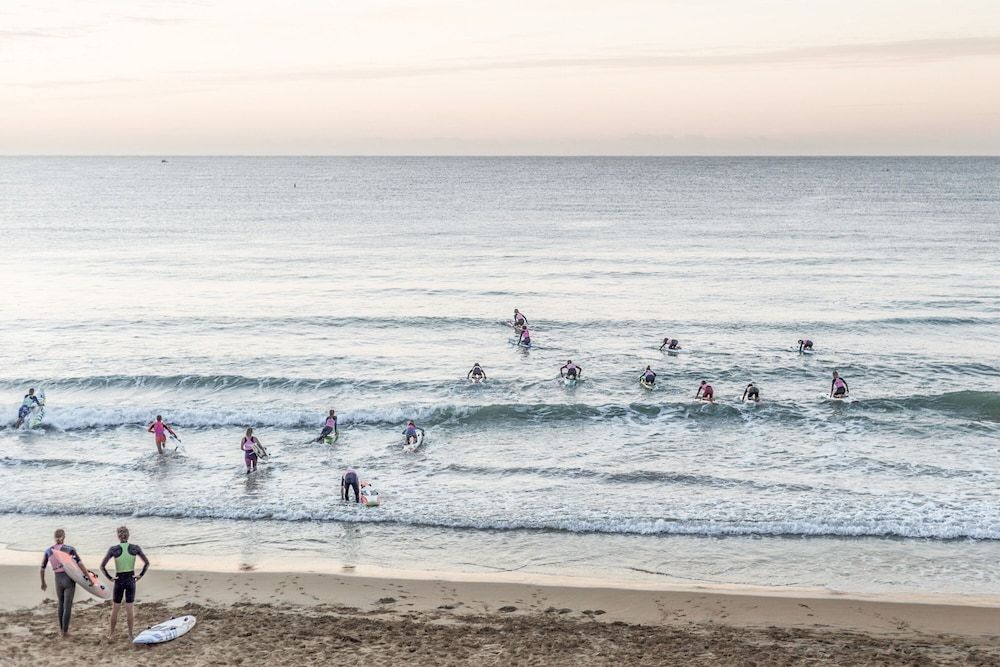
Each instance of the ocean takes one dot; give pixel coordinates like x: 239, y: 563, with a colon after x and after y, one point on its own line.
x: 224, y: 293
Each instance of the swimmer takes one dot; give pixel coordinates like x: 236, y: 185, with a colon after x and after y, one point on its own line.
x: 329, y: 426
x: 751, y: 392
x: 249, y: 455
x: 524, y: 338
x: 159, y: 429
x: 838, y: 388
x: 705, y: 392
x: 477, y: 373
x: 570, y: 371
x: 670, y: 344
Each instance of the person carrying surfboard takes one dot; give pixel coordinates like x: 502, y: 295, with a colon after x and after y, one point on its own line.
x: 159, y: 429
x: 838, y: 388
x: 29, y: 402
x: 670, y: 344
x: 329, y: 426
x: 648, y: 376
x: 752, y: 393
x: 249, y: 454
x: 705, y: 392
x: 570, y: 371
x: 411, y: 432
x: 65, y: 586
x: 477, y: 373
x: 125, y: 579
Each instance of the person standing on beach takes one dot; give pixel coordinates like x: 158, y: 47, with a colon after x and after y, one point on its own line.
x: 249, y: 455
x: 330, y: 426
x: 65, y: 587
x: 159, y: 430
x: 125, y: 578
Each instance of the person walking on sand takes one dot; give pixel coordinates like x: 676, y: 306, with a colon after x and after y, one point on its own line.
x: 329, y: 426
x: 125, y: 579
x: 249, y: 454
x: 159, y: 429
x: 65, y: 587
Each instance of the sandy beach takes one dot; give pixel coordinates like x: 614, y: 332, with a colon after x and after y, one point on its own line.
x: 279, y: 618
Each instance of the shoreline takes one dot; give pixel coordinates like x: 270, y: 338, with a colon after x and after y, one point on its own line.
x: 365, y: 589
x: 311, y: 618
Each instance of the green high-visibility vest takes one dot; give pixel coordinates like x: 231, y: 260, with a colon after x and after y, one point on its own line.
x: 125, y: 562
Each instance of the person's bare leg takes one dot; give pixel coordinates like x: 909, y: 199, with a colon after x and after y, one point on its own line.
x: 114, y: 619
x: 130, y: 617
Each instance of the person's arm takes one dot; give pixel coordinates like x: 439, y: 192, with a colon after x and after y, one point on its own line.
x: 145, y: 561
x: 104, y: 563
x: 171, y: 430
x: 468, y: 375
x: 662, y: 346
x: 847, y: 390
x: 579, y: 371
x: 343, y: 487
x: 45, y: 561
x: 833, y: 384
x: 697, y: 394
x: 484, y: 375
x: 336, y: 431
x: 422, y: 434
x: 745, y: 391
x: 150, y: 429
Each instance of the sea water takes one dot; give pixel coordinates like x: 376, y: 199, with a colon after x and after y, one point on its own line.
x: 224, y: 293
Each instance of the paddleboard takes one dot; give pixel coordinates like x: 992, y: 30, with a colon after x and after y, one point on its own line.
x: 804, y: 350
x: 569, y: 382
x: 646, y: 385
x: 87, y: 580
x: 370, y: 497
x: 676, y: 350
x: 330, y: 439
x: 166, y: 631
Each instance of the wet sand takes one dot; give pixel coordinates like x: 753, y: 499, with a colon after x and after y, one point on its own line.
x: 275, y: 618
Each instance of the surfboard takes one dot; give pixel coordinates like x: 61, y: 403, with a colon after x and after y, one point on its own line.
x: 87, y: 580
x: 516, y: 343
x: 259, y: 450
x: 413, y: 446
x: 674, y: 351
x: 569, y: 382
x: 330, y: 439
x: 646, y: 385
x: 37, y: 413
x: 166, y: 631
x: 370, y: 497
x: 804, y: 350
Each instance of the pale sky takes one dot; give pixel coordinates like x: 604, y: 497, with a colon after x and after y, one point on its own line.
x: 462, y: 77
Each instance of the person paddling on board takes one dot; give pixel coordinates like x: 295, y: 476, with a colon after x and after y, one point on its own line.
x: 524, y: 338
x: 519, y: 319
x: 477, y: 373
x: 705, y: 392
x: 249, y: 455
x: 752, y: 393
x: 670, y: 344
x: 411, y: 433
x: 125, y: 578
x: 159, y: 429
x: 65, y: 587
x: 838, y: 388
x: 805, y: 344
x: 29, y: 402
x: 329, y: 426
x: 570, y: 371
x: 648, y: 376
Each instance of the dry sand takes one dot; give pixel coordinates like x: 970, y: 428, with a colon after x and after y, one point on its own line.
x: 271, y: 618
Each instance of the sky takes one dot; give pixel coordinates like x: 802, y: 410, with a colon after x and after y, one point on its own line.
x: 469, y: 77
